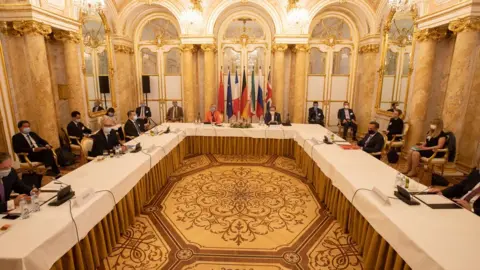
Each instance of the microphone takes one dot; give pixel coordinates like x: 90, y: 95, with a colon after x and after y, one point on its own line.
x: 326, y: 140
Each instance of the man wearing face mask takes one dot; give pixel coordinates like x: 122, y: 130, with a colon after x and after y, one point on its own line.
x: 76, y: 128
x: 272, y: 117
x: 315, y: 115
x: 104, y: 139
x: 395, y: 126
x: 347, y: 120
x: 372, y: 142
x: 143, y: 113
x: 213, y: 116
x: 9, y: 182
x: 132, y: 127
x: 37, y: 148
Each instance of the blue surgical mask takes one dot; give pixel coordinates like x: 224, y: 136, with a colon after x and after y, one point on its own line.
x: 26, y: 130
x: 111, y: 114
x: 5, y: 173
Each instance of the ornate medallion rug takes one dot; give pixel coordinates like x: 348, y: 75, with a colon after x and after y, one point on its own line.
x: 235, y: 212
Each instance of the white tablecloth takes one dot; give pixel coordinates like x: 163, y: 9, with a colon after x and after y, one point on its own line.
x: 424, y: 238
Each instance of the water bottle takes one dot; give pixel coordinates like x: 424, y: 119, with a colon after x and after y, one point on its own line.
x: 399, y: 180
x: 332, y: 136
x: 117, y: 151
x: 407, y: 182
x: 35, y: 200
x: 25, y: 212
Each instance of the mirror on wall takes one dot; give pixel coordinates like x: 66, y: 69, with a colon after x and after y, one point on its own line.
x: 97, y: 61
x: 396, y: 68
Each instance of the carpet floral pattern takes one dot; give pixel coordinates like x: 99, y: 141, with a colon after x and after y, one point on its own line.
x: 235, y: 212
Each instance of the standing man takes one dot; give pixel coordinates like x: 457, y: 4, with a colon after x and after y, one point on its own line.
x: 175, y: 113
x: 347, y: 119
x: 143, y: 114
x: 315, y: 115
x: 76, y: 128
x: 272, y: 117
x: 36, y: 148
x: 97, y: 107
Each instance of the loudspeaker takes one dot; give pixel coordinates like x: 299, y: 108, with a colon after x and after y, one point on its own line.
x: 146, y: 84
x: 104, y: 84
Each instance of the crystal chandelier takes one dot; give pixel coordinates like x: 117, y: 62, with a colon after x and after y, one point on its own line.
x: 193, y: 15
x: 89, y: 7
x: 295, y: 14
x: 401, y: 5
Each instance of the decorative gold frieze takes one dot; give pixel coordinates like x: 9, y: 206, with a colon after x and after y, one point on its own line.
x: 123, y: 49
x: 279, y: 47
x: 369, y: 48
x: 188, y: 47
x: 66, y: 36
x: 471, y: 24
x: 301, y: 48
x: 435, y: 34
x: 32, y: 27
x: 208, y: 47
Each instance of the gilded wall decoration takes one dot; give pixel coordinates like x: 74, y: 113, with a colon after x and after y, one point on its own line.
x: 123, y: 49
x: 465, y: 24
x: 369, y: 48
x: 67, y: 36
x: 435, y: 34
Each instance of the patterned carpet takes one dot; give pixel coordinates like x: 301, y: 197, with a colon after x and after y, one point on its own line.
x: 235, y: 212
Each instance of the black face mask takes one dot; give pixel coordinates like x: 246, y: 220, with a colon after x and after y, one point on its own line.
x: 371, y: 131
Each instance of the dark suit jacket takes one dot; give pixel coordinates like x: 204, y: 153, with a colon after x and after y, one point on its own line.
x: 462, y: 188
x: 374, y: 145
x: 148, y: 112
x: 77, y: 130
x: 341, y: 114
x: 97, y: 108
x: 312, y: 116
x: 11, y: 182
x: 395, y: 127
x: 179, y: 115
x: 277, y: 118
x: 100, y: 142
x: 130, y: 129
x: 20, y: 143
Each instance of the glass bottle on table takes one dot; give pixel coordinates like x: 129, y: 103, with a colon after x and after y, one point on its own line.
x: 105, y: 154
x: 35, y: 200
x: 24, y: 211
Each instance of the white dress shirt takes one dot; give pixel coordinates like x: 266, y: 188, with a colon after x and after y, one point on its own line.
x: 347, y: 114
x: 30, y: 140
x: 472, y: 201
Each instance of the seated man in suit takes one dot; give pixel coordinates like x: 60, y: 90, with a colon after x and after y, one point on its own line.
x: 395, y: 127
x: 37, y: 148
x: 105, y: 139
x: 9, y: 182
x: 372, y: 142
x: 97, y: 107
x: 347, y: 120
x: 132, y: 126
x: 213, y: 116
x: 467, y: 192
x: 272, y: 117
x: 143, y: 113
x: 76, y: 128
x: 315, y: 115
x: 175, y: 113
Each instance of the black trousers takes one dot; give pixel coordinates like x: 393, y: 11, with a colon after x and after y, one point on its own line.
x: 47, y: 158
x: 349, y: 124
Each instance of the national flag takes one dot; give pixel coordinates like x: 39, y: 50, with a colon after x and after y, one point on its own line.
x: 260, y: 97
x: 221, y: 95
x: 229, y: 97
x: 236, y: 95
x: 245, y: 105
x: 268, y: 99
x: 253, y: 103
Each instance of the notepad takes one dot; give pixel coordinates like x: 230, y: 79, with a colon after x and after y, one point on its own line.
x: 437, y: 201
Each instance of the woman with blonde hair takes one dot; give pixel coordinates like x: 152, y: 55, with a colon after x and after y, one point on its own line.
x: 435, y: 139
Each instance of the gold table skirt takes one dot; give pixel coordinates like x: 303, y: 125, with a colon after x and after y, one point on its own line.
x: 376, y: 252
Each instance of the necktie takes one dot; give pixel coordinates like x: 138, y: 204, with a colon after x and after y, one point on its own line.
x: 2, y: 191
x: 213, y: 117
x: 472, y: 194
x: 30, y: 141
x: 174, y: 112
x: 347, y: 115
x: 138, y: 130
x: 142, y: 114
x: 368, y: 140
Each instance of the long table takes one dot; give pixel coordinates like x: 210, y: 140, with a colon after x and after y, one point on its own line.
x: 422, y: 237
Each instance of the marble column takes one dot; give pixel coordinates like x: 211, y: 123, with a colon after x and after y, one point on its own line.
x: 76, y: 94
x: 188, y: 91
x: 366, y: 85
x: 458, y: 111
x: 422, y: 84
x: 32, y: 92
x: 300, y: 83
x: 279, y: 77
x: 209, y: 74
x: 124, y: 77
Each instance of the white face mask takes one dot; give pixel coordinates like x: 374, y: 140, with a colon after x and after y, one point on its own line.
x: 107, y: 130
x: 26, y: 130
x: 346, y: 106
x: 111, y: 114
x: 135, y: 117
x: 78, y: 120
x: 5, y: 173
x: 433, y: 127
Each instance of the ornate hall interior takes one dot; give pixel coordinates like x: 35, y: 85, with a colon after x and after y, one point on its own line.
x: 201, y: 195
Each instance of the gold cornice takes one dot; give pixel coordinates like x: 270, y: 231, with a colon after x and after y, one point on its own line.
x: 66, y: 36
x: 123, y: 49
x: 208, y: 47
x: 279, y: 47
x: 369, y: 48
x: 434, y: 34
x: 301, y: 48
x: 188, y: 47
x: 32, y: 27
x: 470, y: 24
x: 7, y: 29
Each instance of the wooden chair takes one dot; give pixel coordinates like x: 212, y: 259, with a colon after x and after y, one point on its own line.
x: 72, y: 142
x: 428, y: 164
x: 125, y: 134
x: 394, y: 143
x: 340, y: 129
x: 383, y: 151
x: 33, y: 166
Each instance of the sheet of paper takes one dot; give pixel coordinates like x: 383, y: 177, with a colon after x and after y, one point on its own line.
x: 434, y: 199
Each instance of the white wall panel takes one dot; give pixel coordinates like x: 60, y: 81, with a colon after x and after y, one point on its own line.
x: 333, y: 113
x: 91, y: 87
x: 403, y: 89
x: 339, y: 87
x: 315, y: 87
x: 154, y: 89
x: 173, y: 86
x: 387, y: 89
x: 154, y: 107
